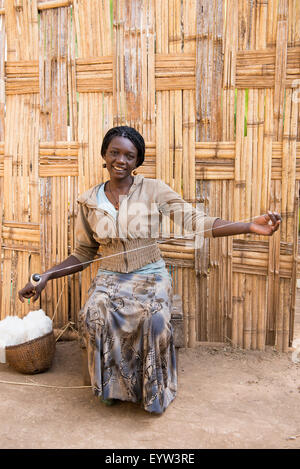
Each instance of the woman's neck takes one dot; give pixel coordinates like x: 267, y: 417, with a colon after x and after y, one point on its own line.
x: 121, y: 185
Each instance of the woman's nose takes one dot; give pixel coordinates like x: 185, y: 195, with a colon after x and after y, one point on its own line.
x: 121, y: 158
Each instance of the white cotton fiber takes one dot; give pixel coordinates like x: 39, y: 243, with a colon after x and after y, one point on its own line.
x: 14, y: 330
x: 36, y: 324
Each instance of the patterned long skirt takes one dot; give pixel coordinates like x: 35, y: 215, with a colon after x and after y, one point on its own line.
x: 125, y: 325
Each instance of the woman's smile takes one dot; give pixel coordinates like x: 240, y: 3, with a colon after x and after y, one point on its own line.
x: 118, y: 169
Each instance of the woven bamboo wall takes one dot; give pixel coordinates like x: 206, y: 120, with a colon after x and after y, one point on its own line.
x: 214, y: 88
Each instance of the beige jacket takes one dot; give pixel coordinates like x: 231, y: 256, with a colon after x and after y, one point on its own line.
x: 129, y: 243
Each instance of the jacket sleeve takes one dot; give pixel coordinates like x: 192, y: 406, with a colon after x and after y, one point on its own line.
x: 86, y: 246
x: 192, y: 219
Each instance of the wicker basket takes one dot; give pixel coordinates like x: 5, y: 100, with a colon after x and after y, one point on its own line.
x: 34, y: 356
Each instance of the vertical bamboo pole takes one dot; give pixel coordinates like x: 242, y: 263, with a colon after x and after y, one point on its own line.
x: 271, y: 23
x: 280, y: 67
x: 247, y: 313
x: 276, y: 256
x: 163, y: 103
x: 230, y: 35
x: 241, y: 296
x: 279, y: 317
x: 294, y: 266
x: 286, y: 181
x: 212, y: 275
x: 254, y: 310
x: 240, y: 113
x: 269, y: 189
x: 254, y: 156
x: 230, y: 45
x: 234, y: 333
x: 192, y: 308
x: 186, y: 305
x: 237, y: 206
x: 151, y: 71
x: 219, y: 267
x: 261, y: 320
x: 229, y: 273
x: 188, y: 138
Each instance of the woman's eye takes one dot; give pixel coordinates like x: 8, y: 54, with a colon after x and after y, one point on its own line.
x: 116, y: 153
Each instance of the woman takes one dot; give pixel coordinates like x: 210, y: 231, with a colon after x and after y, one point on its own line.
x: 125, y: 323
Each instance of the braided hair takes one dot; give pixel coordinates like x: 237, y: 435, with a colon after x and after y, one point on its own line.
x: 128, y: 132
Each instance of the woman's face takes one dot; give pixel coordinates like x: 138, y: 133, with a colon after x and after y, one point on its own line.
x: 121, y: 157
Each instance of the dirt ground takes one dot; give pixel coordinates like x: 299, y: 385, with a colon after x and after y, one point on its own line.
x: 227, y: 398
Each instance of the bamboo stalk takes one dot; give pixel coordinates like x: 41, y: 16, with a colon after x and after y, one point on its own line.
x: 247, y: 314
x: 177, y: 255
x: 270, y: 281
x: 241, y: 300
x: 176, y: 248
x: 234, y: 334
x: 294, y: 270
x: 292, y: 165
x: 192, y: 309
x: 279, y: 318
x: 240, y: 112
x: 213, y: 275
x: 277, y: 282
x: 186, y: 305
x: 53, y: 4
x: 261, y: 332
x: 254, y: 301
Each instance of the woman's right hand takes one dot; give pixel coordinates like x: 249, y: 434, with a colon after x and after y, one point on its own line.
x: 30, y: 291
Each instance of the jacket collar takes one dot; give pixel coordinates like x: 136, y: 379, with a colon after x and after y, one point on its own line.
x: 89, y: 197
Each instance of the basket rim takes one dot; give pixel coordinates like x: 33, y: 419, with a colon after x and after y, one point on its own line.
x: 10, y: 347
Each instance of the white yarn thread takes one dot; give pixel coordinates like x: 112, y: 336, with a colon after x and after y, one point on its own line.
x: 144, y: 247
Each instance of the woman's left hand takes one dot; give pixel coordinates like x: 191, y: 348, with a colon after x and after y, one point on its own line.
x: 266, y: 224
